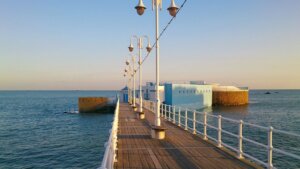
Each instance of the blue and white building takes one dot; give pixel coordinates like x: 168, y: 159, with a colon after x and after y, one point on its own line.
x: 192, y: 96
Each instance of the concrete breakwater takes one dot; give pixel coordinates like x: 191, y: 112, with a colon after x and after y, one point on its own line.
x: 230, y: 98
x: 96, y: 105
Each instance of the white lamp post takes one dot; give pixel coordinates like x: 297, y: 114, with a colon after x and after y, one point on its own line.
x: 132, y: 73
x: 156, y: 4
x: 128, y: 73
x: 140, y: 47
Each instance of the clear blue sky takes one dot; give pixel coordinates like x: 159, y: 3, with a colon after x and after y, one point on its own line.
x: 81, y: 44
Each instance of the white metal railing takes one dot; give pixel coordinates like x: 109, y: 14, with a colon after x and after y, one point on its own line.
x: 170, y: 113
x: 111, y: 145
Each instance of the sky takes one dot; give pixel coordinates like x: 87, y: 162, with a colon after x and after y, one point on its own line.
x: 82, y: 45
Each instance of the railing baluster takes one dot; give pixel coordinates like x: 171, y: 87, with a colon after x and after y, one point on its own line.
x: 179, y: 118
x: 194, y: 122
x: 166, y: 112
x: 162, y: 110
x: 240, y: 153
x: 205, y: 126
x: 270, y: 146
x: 219, y: 131
x: 186, y: 120
x: 169, y: 113
x: 174, y: 115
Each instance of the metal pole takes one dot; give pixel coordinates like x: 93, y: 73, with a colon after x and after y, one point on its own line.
x: 169, y: 113
x: 179, y: 118
x: 240, y: 153
x: 140, y: 74
x: 174, y: 115
x: 166, y: 117
x: 270, y: 148
x: 205, y: 126
x: 219, y: 131
x: 128, y: 91
x: 133, y: 59
x: 186, y: 120
x: 157, y: 122
x: 162, y: 110
x: 194, y: 122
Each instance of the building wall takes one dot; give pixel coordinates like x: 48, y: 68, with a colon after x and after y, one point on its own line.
x: 231, y: 98
x: 150, y: 92
x: 189, y: 95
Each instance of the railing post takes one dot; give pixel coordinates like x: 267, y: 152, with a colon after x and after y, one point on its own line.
x: 205, y: 126
x: 179, y: 117
x: 240, y: 153
x: 219, y: 131
x: 194, y: 122
x: 166, y: 112
x: 174, y: 115
x: 169, y: 113
x: 162, y: 110
x: 186, y: 120
x: 270, y: 148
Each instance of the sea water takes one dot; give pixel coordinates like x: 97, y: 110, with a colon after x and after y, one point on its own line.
x: 36, y: 133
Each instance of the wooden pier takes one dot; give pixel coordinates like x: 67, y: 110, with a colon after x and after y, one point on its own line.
x: 180, y: 149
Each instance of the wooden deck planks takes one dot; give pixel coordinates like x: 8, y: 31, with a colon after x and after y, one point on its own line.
x: 180, y: 149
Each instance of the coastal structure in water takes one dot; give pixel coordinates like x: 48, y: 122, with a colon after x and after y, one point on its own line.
x: 230, y: 95
x: 194, y: 94
x: 95, y: 104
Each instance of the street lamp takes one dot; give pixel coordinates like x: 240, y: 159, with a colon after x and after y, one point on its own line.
x: 157, y: 131
x: 140, y: 47
x: 131, y: 72
x: 140, y: 8
x: 128, y: 74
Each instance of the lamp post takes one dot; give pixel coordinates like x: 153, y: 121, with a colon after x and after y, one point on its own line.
x: 127, y: 81
x: 133, y: 82
x: 156, y: 4
x: 128, y: 73
x: 140, y: 47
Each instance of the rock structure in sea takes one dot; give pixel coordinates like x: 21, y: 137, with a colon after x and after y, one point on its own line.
x: 95, y: 105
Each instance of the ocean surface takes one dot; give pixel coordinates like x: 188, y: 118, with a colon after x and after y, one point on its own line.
x: 280, y: 109
x: 36, y: 133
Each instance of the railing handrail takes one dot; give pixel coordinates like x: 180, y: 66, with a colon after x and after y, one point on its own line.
x: 167, y: 110
x: 110, y: 151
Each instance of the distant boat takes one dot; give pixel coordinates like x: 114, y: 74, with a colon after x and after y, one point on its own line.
x: 267, y: 93
x: 72, y: 112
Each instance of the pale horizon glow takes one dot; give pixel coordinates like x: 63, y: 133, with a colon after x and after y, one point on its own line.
x: 82, y: 45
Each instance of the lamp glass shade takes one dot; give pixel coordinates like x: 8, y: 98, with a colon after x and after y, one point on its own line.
x: 140, y: 10
x: 130, y: 48
x: 173, y: 11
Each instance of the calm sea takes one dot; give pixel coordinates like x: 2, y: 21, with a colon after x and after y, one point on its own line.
x: 280, y: 109
x: 35, y: 133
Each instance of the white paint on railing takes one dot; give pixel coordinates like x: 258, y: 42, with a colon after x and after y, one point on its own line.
x: 174, y: 114
x: 186, y: 120
x: 179, y: 115
x: 240, y: 153
x: 205, y: 126
x: 169, y: 113
x: 270, y: 148
x: 194, y: 122
x: 111, y: 145
x: 219, y: 131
